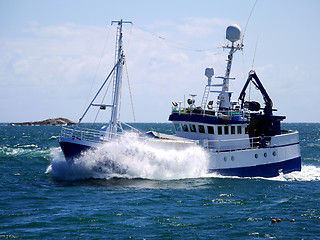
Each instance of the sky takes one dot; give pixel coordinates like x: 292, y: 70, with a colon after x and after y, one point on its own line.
x: 54, y: 55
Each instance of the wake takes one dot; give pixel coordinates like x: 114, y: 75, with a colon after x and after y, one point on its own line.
x: 308, y: 173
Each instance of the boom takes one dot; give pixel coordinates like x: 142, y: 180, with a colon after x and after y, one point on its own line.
x: 255, y: 80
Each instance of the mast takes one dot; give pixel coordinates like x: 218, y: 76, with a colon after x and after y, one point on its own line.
x: 119, y: 62
x: 232, y: 34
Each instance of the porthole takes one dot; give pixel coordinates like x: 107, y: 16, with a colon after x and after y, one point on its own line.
x: 273, y: 153
x: 265, y: 154
x: 232, y: 158
x: 256, y: 155
x: 225, y: 159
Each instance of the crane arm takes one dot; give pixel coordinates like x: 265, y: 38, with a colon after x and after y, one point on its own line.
x: 256, y: 81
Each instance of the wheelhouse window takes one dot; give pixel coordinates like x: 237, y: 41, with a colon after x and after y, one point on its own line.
x: 226, y: 129
x: 177, y: 127
x: 219, y: 130
x: 239, y: 128
x: 201, y: 129
x: 185, y: 127
x: 210, y: 130
x: 233, y: 130
x: 192, y: 127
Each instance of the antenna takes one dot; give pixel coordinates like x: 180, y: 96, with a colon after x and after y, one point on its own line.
x: 233, y: 34
x: 254, y: 55
x: 245, y: 28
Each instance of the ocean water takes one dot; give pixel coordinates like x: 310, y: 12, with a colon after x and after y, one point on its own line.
x: 166, y: 194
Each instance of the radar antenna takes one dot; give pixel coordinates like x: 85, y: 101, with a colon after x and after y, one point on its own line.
x: 233, y: 34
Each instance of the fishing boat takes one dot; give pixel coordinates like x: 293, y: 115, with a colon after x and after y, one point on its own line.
x: 241, y: 138
x: 75, y: 141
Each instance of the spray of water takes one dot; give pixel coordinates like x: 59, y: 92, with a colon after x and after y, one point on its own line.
x: 133, y: 157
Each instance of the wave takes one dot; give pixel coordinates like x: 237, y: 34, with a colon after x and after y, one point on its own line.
x: 54, y: 137
x: 22, y: 150
x: 133, y: 157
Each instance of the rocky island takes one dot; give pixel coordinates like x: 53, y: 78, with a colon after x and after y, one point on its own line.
x: 47, y: 122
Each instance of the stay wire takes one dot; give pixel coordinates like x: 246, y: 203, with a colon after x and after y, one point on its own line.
x: 95, y: 119
x: 245, y: 28
x: 100, y: 60
x: 174, y: 44
x: 132, y: 105
x: 255, y: 50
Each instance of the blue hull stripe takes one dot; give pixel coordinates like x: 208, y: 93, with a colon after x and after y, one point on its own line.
x: 266, y: 170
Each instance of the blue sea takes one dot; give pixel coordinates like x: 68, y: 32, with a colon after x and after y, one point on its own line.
x: 167, y: 195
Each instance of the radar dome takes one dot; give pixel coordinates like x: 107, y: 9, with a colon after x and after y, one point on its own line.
x: 233, y: 33
x: 209, y: 72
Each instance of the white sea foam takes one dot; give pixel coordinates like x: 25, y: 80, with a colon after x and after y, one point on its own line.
x: 308, y: 173
x: 132, y: 157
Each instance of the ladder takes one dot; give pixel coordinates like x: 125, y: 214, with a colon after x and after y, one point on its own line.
x: 205, y: 96
x: 207, y: 90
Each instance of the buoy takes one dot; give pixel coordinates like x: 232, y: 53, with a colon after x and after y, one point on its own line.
x: 273, y: 220
x: 292, y: 220
x: 278, y: 220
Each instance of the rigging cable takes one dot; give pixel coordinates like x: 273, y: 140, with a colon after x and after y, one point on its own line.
x: 176, y: 45
x: 127, y: 48
x: 134, y: 117
x: 96, y: 72
x: 102, y: 102
x: 125, y: 64
x: 245, y: 28
x: 254, y: 55
x: 173, y: 44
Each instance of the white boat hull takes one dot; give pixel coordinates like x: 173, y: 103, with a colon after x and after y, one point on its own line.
x: 264, y: 162
x: 270, y: 161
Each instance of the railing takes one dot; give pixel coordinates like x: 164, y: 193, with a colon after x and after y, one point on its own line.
x: 85, y: 134
x: 229, y: 115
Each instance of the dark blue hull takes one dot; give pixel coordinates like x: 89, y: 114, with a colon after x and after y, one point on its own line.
x: 266, y: 170
x: 72, y: 150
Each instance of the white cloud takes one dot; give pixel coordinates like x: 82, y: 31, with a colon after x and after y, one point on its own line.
x: 59, y: 62
x: 51, y: 68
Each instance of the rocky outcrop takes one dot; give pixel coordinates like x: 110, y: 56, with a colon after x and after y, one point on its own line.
x: 47, y: 122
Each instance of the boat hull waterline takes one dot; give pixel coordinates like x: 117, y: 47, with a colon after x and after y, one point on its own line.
x: 263, y: 162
